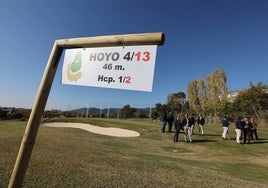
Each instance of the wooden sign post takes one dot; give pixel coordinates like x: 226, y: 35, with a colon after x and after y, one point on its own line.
x: 33, y: 124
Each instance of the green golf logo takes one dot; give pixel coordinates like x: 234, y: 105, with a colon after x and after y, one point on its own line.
x: 73, y: 69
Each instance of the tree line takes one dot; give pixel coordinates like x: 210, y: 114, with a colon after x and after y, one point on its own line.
x: 207, y: 96
x: 210, y: 96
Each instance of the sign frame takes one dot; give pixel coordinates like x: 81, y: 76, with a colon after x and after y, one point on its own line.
x: 34, y: 121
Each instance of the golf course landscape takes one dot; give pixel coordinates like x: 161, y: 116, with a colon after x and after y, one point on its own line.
x: 71, y: 157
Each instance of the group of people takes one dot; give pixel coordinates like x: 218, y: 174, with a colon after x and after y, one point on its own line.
x: 245, y: 128
x: 186, y: 124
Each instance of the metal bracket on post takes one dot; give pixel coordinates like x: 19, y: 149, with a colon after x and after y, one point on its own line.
x: 33, y: 124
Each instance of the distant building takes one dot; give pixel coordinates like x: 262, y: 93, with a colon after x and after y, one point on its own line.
x: 232, y: 95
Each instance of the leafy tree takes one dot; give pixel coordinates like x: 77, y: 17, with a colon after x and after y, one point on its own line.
x: 192, y: 91
x: 175, y: 102
x: 127, y: 112
x: 25, y: 112
x: 224, y: 108
x: 201, y: 93
x: 15, y: 115
x: 253, y: 101
x: 158, y: 110
x: 216, y: 89
x: 160, y: 107
x: 3, y: 114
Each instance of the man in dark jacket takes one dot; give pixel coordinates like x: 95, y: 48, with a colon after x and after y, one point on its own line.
x: 247, y: 130
x: 201, y: 123
x: 177, y: 127
x: 164, y: 121
x: 192, y: 124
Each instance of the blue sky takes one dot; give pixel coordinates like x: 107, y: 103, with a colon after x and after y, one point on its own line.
x: 201, y: 35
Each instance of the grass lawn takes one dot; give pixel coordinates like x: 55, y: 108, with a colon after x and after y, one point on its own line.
x: 69, y: 157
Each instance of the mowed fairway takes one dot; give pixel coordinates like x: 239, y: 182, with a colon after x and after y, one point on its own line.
x: 70, y: 157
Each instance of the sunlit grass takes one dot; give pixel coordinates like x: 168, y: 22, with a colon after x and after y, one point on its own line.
x: 68, y: 157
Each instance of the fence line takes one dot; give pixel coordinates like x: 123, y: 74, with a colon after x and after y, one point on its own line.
x: 108, y: 109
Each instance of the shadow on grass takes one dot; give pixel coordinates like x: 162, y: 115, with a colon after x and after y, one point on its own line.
x: 209, y: 134
x: 203, y: 141
x: 260, y: 141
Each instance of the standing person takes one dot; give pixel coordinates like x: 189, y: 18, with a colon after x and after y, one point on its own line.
x: 170, y: 120
x: 242, y: 122
x: 225, y: 124
x: 192, y: 124
x: 164, y: 122
x: 254, y: 129
x: 238, y: 130
x: 201, y: 123
x: 247, y: 130
x: 177, y: 127
x: 187, y: 128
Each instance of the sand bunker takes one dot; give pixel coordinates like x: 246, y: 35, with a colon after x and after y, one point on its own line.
x: 109, y: 131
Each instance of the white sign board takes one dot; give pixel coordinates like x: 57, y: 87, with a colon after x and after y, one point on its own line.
x: 128, y: 67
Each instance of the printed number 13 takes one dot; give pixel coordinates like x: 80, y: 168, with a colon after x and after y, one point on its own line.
x: 146, y: 56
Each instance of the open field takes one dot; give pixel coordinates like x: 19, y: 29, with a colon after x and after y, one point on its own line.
x: 70, y: 157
